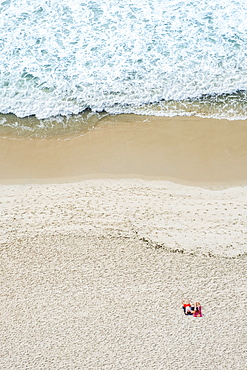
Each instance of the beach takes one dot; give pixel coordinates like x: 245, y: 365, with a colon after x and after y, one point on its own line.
x: 123, y: 184
x: 103, y: 236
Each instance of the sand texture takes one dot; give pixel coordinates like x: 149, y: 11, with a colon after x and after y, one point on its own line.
x: 175, y: 217
x: 93, y: 274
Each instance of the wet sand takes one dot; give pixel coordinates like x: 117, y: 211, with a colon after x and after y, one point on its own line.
x: 188, y: 150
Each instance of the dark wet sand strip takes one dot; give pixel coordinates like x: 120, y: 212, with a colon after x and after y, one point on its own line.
x: 182, y: 149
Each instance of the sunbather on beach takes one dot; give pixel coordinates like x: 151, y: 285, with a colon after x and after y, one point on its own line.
x: 197, y: 312
x: 188, y: 310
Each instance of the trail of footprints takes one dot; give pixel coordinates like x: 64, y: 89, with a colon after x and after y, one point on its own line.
x: 170, y: 215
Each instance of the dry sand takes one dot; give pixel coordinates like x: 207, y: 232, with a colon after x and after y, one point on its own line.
x: 93, y: 272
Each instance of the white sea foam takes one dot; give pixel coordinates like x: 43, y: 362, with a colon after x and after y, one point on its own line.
x: 60, y: 57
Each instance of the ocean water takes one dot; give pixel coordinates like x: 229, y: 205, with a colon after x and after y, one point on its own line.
x: 69, y: 63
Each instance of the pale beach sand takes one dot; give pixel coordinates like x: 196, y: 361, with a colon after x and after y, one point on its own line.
x: 93, y: 272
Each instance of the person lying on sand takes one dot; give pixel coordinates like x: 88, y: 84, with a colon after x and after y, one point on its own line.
x: 187, y: 307
x: 195, y: 310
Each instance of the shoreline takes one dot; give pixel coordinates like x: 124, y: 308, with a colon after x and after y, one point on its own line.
x: 187, y: 150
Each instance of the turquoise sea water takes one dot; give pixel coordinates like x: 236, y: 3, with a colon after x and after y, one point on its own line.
x: 152, y: 57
